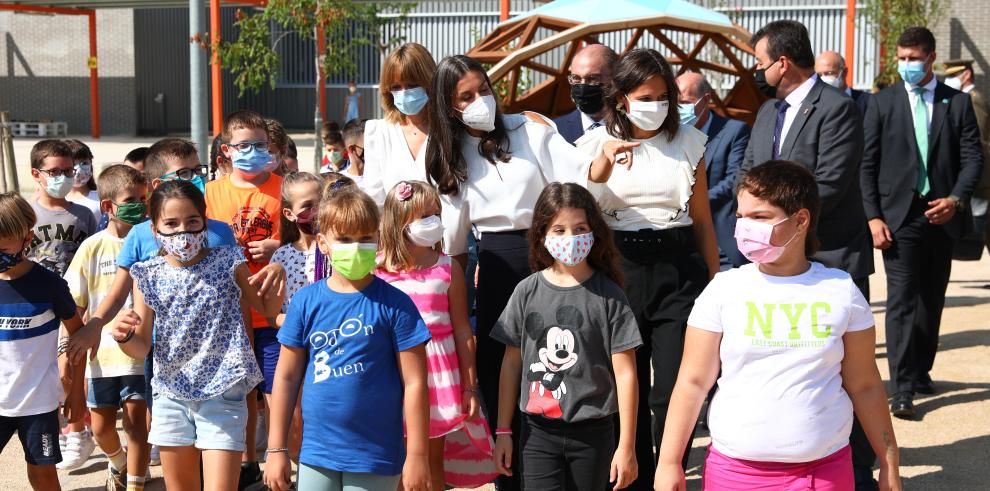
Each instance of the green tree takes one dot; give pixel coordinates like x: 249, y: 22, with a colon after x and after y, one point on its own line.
x: 889, y: 18
x: 347, y: 26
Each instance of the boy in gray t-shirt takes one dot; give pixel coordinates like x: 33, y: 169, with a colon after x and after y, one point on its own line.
x: 58, y: 233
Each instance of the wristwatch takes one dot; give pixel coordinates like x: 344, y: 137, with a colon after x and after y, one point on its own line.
x: 960, y: 204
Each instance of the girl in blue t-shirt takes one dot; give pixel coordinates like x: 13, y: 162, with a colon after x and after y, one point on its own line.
x: 356, y: 347
x: 204, y: 365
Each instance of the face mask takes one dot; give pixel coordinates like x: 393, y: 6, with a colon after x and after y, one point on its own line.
x: 352, y: 89
x: 306, y: 220
x: 131, y: 213
x: 58, y: 187
x: 353, y: 261
x: 195, y: 181
x: 589, y: 98
x: 911, y: 72
x: 832, y: 80
x: 251, y: 162
x: 335, y: 156
x: 647, y: 116
x: 480, y: 114
x: 426, y: 232
x: 762, y: 84
x: 84, y: 172
x: 411, y: 101
x: 954, y: 82
x: 183, y: 245
x: 687, y: 112
x: 753, y: 240
x: 570, y: 249
x: 8, y: 260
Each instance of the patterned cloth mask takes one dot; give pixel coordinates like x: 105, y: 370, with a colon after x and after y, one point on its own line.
x: 570, y: 249
x: 183, y: 245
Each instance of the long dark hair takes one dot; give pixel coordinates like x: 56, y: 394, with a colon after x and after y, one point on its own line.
x: 176, y: 189
x: 634, y: 69
x: 444, y: 163
x: 604, y: 255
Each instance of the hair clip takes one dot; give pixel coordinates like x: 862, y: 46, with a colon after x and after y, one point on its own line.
x: 403, y: 191
x: 337, y: 185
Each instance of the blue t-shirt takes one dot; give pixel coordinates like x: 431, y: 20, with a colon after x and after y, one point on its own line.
x: 352, y: 391
x: 141, y: 245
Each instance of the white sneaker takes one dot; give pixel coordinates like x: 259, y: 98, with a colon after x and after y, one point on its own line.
x: 78, y: 447
x: 156, y: 458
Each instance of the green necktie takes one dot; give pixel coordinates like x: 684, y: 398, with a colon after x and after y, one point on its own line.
x: 921, y: 136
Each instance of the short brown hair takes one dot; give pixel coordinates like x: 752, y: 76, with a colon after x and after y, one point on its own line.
x: 410, y: 63
x: 349, y: 212
x: 277, y: 137
x: 243, y: 119
x: 790, y: 187
x: 163, y: 151
x: 917, y: 37
x: 16, y: 216
x: 118, y: 178
x: 48, y: 148
x: 80, y: 151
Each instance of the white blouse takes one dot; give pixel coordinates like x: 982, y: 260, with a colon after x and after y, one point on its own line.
x: 654, y: 193
x: 388, y: 160
x: 499, y: 198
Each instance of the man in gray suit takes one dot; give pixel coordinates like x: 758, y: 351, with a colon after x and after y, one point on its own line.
x: 819, y: 127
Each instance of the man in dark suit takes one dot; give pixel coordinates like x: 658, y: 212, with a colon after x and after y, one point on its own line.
x: 590, y: 75
x: 921, y: 163
x: 724, y: 152
x: 816, y: 125
x: 831, y: 69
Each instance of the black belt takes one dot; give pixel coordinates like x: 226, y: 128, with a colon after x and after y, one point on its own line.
x: 671, y: 237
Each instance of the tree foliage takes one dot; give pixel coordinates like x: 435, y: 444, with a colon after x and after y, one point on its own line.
x: 889, y: 18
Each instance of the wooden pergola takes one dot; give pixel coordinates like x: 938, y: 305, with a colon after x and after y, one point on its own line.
x: 513, y: 46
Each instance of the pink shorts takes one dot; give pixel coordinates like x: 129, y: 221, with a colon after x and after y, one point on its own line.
x: 832, y: 473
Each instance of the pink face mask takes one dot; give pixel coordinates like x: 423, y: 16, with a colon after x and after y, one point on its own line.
x: 753, y: 240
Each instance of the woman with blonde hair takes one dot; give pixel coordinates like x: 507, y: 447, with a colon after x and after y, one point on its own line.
x: 395, y: 146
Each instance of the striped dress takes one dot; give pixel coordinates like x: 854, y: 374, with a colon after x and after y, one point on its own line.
x: 469, y: 446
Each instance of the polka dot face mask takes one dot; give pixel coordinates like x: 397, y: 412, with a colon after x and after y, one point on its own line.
x: 569, y: 249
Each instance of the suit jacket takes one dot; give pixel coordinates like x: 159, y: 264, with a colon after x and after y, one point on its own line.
x: 570, y: 126
x: 860, y: 98
x: 724, y: 152
x: 890, y: 159
x: 827, y: 138
x: 982, y: 112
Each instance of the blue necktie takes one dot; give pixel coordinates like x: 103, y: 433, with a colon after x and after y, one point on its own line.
x: 779, y: 127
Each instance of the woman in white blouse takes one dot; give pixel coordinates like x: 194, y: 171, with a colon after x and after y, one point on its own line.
x: 655, y: 198
x: 395, y: 147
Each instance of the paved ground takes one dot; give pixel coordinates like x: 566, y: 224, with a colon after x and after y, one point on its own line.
x: 948, y: 448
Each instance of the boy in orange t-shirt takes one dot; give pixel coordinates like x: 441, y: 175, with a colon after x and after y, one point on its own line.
x: 249, y: 200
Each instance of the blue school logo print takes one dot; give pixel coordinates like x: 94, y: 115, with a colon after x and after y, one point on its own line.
x: 330, y: 343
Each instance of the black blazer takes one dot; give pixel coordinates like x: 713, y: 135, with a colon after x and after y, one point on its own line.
x: 827, y: 138
x: 890, y: 160
x: 569, y: 126
x: 724, y: 152
x: 860, y: 98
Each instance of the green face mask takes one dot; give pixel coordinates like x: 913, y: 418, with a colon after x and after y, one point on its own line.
x: 132, y: 213
x: 353, y: 261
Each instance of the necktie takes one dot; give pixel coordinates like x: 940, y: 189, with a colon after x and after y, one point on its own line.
x: 594, y: 125
x: 921, y: 136
x: 779, y: 128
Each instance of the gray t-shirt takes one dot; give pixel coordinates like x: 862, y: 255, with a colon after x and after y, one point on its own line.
x: 567, y: 336
x: 57, y: 235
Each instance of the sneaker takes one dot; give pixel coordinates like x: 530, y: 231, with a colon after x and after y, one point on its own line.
x: 116, y: 480
x: 78, y: 448
x: 156, y: 458
x: 250, y: 475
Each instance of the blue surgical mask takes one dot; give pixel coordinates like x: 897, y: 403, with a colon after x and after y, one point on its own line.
x: 252, y: 161
x: 199, y: 183
x: 911, y: 72
x: 411, y: 101
x: 59, y: 187
x: 686, y: 113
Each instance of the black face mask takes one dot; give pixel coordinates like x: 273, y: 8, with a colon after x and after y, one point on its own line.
x: 588, y: 98
x: 761, y: 83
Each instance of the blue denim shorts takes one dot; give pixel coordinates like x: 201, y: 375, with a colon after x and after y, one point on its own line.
x: 115, y: 391
x: 219, y: 423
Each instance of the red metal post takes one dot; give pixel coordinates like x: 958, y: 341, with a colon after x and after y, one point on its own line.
x: 850, y: 40
x: 503, y: 11
x: 94, y: 79
x: 216, y: 83
x: 321, y: 47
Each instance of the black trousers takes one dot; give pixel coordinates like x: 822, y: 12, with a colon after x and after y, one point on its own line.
x: 918, y: 264
x: 664, y: 274
x: 566, y: 456
x: 503, y: 261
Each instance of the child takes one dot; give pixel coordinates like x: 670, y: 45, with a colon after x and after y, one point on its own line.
x: 278, y: 144
x: 32, y: 302
x: 359, y: 342
x: 352, y: 103
x: 219, y: 164
x: 570, y: 327
x: 135, y: 158
x: 84, y: 182
x: 353, y: 134
x: 301, y: 193
x: 795, y: 344
x: 116, y: 381
x: 291, y: 158
x: 333, y: 156
x: 411, y: 262
x: 205, y: 366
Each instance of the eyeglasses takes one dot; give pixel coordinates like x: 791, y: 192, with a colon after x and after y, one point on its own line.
x: 187, y: 174
x: 589, y: 80
x: 260, y: 146
x: 58, y: 172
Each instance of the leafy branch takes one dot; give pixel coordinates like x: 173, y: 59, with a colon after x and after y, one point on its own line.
x: 889, y: 18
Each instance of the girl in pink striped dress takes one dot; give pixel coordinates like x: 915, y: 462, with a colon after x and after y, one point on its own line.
x: 460, y: 442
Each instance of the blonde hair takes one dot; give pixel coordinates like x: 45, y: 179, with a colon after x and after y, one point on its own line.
x: 348, y: 212
x: 411, y: 63
x: 398, y: 214
x: 17, y: 217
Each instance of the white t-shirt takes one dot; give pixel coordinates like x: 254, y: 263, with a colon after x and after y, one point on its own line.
x: 780, y: 395
x: 499, y: 198
x: 92, y: 202
x: 654, y: 192
x: 388, y: 160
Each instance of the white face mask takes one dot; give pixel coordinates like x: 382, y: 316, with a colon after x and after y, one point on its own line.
x: 426, y: 232
x: 480, y: 114
x: 954, y: 82
x: 832, y: 80
x: 647, y: 116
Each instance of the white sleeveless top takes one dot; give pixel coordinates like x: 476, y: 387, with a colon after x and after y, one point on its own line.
x: 388, y: 160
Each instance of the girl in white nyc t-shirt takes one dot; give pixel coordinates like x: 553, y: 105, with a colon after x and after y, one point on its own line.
x: 795, y: 344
